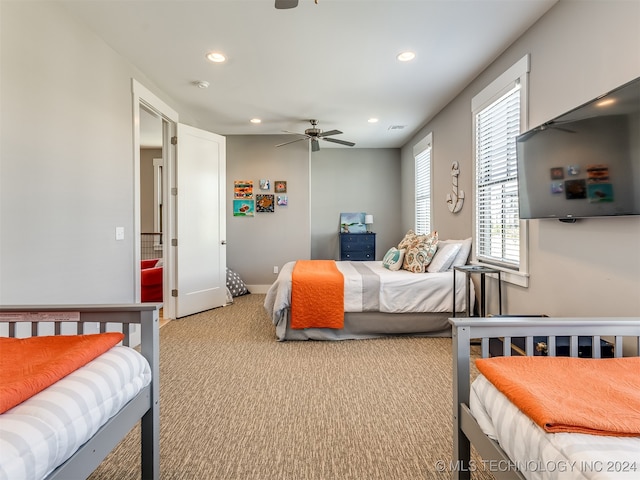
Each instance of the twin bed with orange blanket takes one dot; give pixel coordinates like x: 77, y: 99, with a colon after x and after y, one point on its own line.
x: 71, y: 388
x: 547, y: 417
x: 330, y: 300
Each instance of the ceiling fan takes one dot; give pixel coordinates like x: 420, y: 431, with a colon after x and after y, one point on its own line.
x: 282, y: 4
x: 314, y: 134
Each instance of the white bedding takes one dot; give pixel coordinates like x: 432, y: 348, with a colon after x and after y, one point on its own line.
x: 368, y: 286
x: 540, y: 455
x: 45, y: 430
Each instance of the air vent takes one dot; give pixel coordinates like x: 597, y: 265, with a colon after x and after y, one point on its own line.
x: 396, y: 127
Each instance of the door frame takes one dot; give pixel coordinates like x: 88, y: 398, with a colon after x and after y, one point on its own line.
x: 143, y: 96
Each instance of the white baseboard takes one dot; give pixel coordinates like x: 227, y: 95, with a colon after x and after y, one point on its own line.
x: 258, y: 288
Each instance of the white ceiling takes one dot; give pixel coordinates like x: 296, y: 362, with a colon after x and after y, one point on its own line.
x: 334, y: 61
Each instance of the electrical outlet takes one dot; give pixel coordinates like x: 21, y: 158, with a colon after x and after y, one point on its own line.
x: 275, y: 269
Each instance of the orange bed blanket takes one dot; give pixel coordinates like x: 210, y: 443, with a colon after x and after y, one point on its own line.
x: 29, y: 365
x: 317, y: 295
x: 578, y: 395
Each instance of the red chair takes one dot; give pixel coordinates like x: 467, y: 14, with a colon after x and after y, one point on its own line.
x: 151, y: 281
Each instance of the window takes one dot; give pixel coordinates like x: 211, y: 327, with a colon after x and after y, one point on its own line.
x: 499, y: 114
x: 422, y: 155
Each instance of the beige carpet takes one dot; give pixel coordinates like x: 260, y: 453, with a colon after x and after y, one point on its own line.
x: 237, y: 405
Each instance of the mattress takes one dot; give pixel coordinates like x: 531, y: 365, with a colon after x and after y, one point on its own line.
x: 369, y: 287
x: 45, y: 430
x: 549, y: 456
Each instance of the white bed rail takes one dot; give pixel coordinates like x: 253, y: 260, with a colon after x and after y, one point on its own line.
x: 80, y: 319
x: 465, y: 429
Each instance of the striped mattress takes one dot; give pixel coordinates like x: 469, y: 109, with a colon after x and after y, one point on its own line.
x: 44, y: 431
x: 540, y: 455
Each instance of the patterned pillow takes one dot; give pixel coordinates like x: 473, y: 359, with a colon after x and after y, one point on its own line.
x: 420, y: 253
x: 235, y: 284
x: 407, y: 240
x: 393, y: 259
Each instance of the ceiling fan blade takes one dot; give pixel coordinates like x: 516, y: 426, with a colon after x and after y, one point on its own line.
x: 330, y: 132
x: 292, y: 141
x: 341, y: 142
x: 315, y: 145
x: 296, y: 133
x: 283, y: 4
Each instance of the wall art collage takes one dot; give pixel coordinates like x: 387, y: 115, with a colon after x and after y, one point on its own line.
x: 247, y: 204
x: 592, y: 184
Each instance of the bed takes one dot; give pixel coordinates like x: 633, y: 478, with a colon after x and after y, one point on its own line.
x: 510, y: 443
x: 54, y: 434
x: 377, y: 302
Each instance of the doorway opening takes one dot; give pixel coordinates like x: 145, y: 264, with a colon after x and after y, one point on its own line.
x: 151, y: 203
x: 155, y: 123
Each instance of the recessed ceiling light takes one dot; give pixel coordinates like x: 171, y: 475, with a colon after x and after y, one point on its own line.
x: 216, y: 57
x: 406, y: 56
x: 255, y: 120
x: 373, y: 120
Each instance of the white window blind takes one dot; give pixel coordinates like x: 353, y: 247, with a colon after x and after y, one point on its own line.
x: 497, y: 221
x: 423, y: 191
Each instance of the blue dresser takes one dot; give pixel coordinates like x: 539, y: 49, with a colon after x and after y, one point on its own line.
x: 357, y: 246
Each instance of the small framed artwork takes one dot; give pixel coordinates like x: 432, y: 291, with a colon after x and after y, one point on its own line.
x: 280, y: 186
x: 598, y: 173
x: 282, y: 200
x: 243, y: 208
x: 352, y: 223
x: 575, y: 189
x: 243, y: 189
x: 264, y: 203
x: 600, y: 192
x: 557, y: 187
x: 265, y: 184
x: 573, y: 170
x: 557, y: 173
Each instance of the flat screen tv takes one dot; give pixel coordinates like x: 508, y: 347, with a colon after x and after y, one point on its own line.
x: 585, y: 163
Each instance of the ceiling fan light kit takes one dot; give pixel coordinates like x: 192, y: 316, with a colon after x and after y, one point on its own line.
x: 314, y: 134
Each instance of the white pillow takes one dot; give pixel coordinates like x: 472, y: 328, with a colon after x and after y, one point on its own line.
x: 445, y: 255
x: 463, y: 253
x: 393, y: 259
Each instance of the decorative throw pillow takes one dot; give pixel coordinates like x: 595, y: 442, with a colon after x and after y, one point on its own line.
x: 444, y: 257
x: 393, y: 259
x: 463, y: 254
x: 420, y: 253
x: 235, y: 284
x: 407, y: 240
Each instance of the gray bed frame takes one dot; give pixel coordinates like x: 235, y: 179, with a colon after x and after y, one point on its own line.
x: 145, y: 405
x: 368, y: 325
x: 466, y: 431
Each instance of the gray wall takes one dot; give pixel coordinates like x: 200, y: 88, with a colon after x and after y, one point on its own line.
x: 579, y: 50
x: 66, y: 161
x: 334, y: 180
x: 354, y: 180
x: 146, y: 188
x: 256, y: 244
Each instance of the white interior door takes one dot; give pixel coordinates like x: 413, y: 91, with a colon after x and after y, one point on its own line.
x: 200, y: 221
